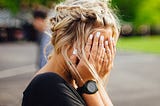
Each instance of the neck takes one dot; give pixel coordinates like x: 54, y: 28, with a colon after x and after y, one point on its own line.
x: 57, y: 65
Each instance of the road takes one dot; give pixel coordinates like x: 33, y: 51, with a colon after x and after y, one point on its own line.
x: 134, y: 80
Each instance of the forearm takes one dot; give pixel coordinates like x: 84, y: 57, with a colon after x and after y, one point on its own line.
x: 105, y: 98
x: 93, y: 99
x: 100, y: 98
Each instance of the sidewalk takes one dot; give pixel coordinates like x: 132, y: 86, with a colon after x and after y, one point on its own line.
x: 17, y: 65
x: 134, y: 80
x: 13, y: 83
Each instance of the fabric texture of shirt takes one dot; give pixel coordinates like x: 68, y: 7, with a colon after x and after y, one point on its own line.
x: 49, y: 89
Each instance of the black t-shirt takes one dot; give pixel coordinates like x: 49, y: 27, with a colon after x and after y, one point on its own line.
x: 49, y: 89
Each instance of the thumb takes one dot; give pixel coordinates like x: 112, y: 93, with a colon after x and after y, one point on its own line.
x: 74, y: 59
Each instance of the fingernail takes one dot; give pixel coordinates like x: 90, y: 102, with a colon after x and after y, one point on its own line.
x: 106, y: 42
x: 91, y: 36
x: 98, y: 34
x: 102, y: 38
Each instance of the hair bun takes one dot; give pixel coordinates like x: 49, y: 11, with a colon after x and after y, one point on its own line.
x: 85, y: 11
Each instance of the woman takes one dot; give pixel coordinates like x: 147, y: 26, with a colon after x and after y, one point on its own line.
x: 84, y: 38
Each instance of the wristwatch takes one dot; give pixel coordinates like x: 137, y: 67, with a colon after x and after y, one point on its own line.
x: 90, y: 87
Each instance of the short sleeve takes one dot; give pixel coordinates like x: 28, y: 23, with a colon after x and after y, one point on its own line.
x: 50, y: 90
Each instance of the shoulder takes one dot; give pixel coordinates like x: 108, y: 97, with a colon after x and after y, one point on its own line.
x: 49, y: 76
x: 43, y: 89
x: 46, y: 85
x: 44, y: 81
x: 50, y: 88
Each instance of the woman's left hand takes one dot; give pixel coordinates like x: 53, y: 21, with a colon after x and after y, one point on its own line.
x: 100, y: 55
x: 107, y: 64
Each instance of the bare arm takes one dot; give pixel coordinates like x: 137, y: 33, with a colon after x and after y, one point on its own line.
x: 101, y: 55
x: 97, y: 99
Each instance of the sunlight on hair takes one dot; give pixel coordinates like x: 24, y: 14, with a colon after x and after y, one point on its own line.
x: 74, y: 21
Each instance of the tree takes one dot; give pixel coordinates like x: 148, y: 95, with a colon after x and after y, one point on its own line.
x: 148, y: 12
x: 127, y: 8
x: 15, y: 5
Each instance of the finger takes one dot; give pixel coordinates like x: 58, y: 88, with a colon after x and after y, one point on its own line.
x: 110, y: 57
x: 108, y: 51
x: 114, y: 49
x: 88, y: 45
x: 114, y: 46
x: 100, y: 48
x: 100, y: 60
x: 101, y: 43
x: 95, y: 45
x: 102, y: 57
x: 110, y: 43
x: 104, y: 68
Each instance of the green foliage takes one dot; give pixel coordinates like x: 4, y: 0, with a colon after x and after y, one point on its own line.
x: 127, y: 8
x: 14, y: 5
x: 139, y: 12
x: 148, y: 12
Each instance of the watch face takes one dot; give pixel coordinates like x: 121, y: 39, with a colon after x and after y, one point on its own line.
x: 92, y: 87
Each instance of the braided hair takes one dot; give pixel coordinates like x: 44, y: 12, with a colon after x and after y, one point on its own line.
x: 74, y: 22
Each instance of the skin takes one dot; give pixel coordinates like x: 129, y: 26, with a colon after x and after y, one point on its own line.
x: 97, y: 46
x: 100, y: 51
x: 39, y: 24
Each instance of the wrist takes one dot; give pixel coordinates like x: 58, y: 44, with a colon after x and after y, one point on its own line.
x: 90, y: 87
x: 82, y: 82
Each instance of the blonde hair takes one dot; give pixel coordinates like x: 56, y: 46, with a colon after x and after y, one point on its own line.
x: 72, y: 24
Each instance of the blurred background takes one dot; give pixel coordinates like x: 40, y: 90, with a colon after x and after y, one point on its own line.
x: 134, y: 80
